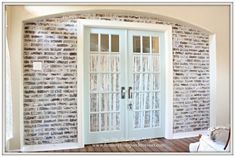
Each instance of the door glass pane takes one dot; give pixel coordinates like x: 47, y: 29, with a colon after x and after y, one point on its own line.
x: 104, y: 42
x: 93, y: 82
x: 155, y: 118
x: 146, y: 63
x: 104, y: 121
x: 115, y: 64
x: 104, y: 102
x: 136, y: 100
x: 94, y: 122
x: 104, y: 78
x: 147, y: 119
x: 156, y: 82
x: 137, y: 119
x: 137, y: 63
x: 137, y: 82
x: 136, y: 44
x: 155, y: 44
x: 104, y: 63
x: 115, y: 103
x: 146, y: 81
x: 146, y: 44
x: 114, y: 82
x: 156, y: 100
x: 115, y: 43
x: 115, y: 121
x: 146, y: 100
x: 156, y: 63
x: 93, y: 63
x: 118, y: 96
x: 93, y: 42
x: 94, y: 103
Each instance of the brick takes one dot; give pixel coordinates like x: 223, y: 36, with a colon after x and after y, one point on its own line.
x: 51, y: 94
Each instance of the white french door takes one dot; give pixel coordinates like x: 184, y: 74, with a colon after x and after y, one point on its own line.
x: 124, y: 85
x: 104, y: 77
x: 146, y: 81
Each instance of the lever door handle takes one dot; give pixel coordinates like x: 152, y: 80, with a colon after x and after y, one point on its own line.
x: 123, y: 92
x: 129, y: 93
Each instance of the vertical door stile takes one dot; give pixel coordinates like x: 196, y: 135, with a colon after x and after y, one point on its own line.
x: 109, y: 89
x: 151, y: 87
x: 127, y: 83
x: 162, y: 80
x: 99, y: 81
x: 141, y: 84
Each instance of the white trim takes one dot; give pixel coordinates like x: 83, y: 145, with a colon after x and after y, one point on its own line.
x: 125, y: 25
x: 5, y: 142
x: 189, y: 134
x: 212, y: 52
x: 169, y: 85
x: 80, y: 87
x: 167, y: 29
x: 126, y: 84
x: 21, y: 114
x: 47, y: 147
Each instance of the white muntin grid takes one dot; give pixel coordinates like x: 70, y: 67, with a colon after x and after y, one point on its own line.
x: 104, y: 61
x: 145, y: 89
x: 105, y: 87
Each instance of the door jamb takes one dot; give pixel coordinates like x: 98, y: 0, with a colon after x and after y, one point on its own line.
x: 166, y: 29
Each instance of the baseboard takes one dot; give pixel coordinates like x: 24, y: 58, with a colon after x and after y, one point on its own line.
x: 189, y: 134
x: 48, y: 147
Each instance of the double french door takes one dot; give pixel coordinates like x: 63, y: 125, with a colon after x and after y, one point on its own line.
x: 124, y: 82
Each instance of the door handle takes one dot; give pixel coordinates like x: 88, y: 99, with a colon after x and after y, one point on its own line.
x: 129, y: 93
x: 123, y: 92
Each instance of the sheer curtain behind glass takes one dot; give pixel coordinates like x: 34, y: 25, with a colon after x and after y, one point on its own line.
x: 9, y: 118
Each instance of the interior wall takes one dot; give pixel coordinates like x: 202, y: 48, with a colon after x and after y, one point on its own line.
x: 215, y: 19
x: 51, y: 40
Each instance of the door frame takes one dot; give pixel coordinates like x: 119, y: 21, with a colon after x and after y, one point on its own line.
x: 166, y: 29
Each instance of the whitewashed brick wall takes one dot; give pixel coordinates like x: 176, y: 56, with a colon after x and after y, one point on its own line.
x: 50, y: 95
